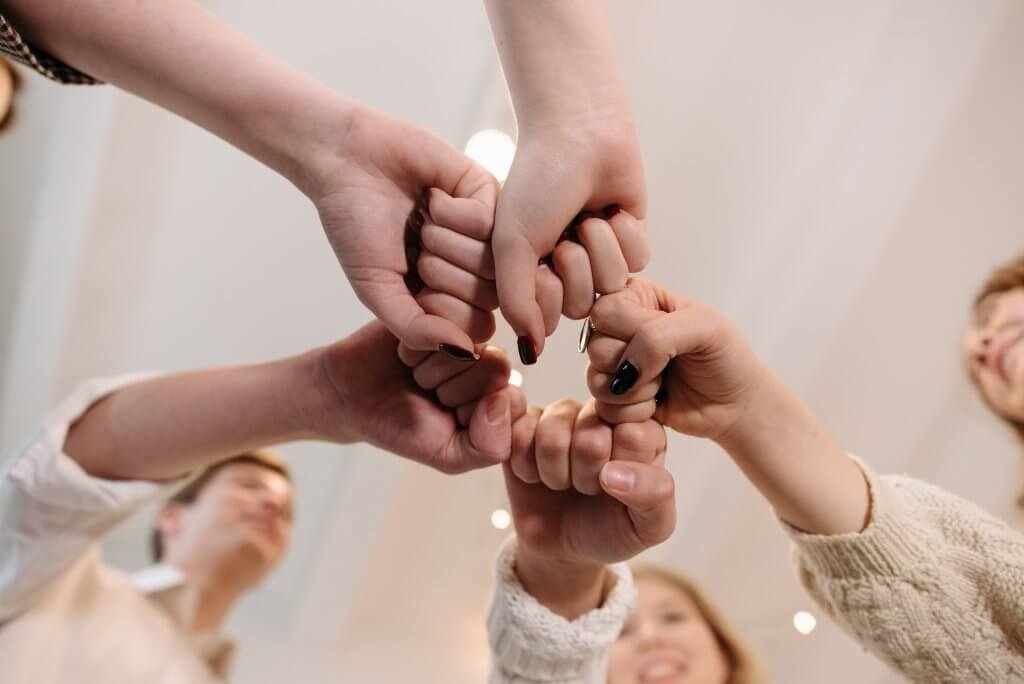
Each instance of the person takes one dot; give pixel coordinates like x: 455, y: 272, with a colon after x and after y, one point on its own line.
x: 116, y: 444
x: 926, y: 581
x: 586, y: 496
x: 376, y: 180
x: 577, y: 157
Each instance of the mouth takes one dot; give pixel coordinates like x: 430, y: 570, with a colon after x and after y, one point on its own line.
x: 1007, y: 356
x: 660, y: 671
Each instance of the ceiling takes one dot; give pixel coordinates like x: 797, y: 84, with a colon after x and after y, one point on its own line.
x: 837, y: 177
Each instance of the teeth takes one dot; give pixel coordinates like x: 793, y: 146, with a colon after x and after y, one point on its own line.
x: 658, y: 670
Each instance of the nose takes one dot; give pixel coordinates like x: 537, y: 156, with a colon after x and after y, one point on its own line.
x: 647, y: 633
x: 978, y: 344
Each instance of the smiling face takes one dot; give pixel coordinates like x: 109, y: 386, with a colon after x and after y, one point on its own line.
x: 667, y: 640
x: 994, y: 352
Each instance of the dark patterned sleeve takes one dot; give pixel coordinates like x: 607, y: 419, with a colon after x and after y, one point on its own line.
x: 15, y: 47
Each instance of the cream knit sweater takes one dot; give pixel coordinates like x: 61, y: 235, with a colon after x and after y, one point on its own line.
x: 934, y: 586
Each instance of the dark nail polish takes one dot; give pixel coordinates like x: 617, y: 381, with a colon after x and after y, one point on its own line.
x: 661, y: 396
x: 624, y: 378
x: 527, y: 352
x: 457, y: 353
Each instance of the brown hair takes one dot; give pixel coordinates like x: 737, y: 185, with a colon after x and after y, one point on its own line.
x: 191, y: 491
x: 744, y: 668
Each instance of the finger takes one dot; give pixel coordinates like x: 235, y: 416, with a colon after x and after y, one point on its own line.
x: 648, y: 492
x: 472, y: 217
x: 443, y: 276
x: 631, y: 234
x: 615, y: 414
x: 515, y: 267
x: 553, y: 441
x: 518, y: 407
x: 465, y: 252
x: 591, y: 449
x: 549, y: 297
x: 477, y: 323
x: 388, y: 297
x: 411, y: 357
x: 640, y: 442
x: 523, y: 460
x: 439, y: 368
x: 598, y: 383
x: 604, y: 352
x: 486, y: 376
x: 692, y: 328
x: 572, y: 265
x: 606, y: 260
x: 621, y: 314
x: 486, y: 442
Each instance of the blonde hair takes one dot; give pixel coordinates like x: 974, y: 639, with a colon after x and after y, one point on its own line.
x: 744, y: 668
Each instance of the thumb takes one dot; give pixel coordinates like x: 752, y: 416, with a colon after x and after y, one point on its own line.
x: 648, y: 492
x: 489, y: 438
x: 515, y: 269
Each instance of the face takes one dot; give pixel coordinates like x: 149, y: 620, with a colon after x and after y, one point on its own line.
x: 994, y: 352
x: 240, y: 523
x: 666, y: 641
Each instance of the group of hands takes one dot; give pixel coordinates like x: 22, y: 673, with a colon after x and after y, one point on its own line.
x: 586, y: 481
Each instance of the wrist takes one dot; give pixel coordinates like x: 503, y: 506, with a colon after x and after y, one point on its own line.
x: 324, y: 412
x: 567, y: 588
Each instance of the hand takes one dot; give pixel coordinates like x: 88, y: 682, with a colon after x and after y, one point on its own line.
x: 373, y: 200
x: 566, y: 537
x: 632, y: 508
x: 560, y: 175
x: 370, y: 395
x: 648, y: 338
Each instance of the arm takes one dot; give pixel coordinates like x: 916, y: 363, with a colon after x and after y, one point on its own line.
x: 577, y: 152
x: 365, y: 172
x: 562, y: 591
x: 924, y: 580
x: 95, y: 459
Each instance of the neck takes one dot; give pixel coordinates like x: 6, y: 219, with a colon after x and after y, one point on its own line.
x: 217, y: 591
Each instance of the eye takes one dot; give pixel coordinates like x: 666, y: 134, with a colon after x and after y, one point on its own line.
x: 674, y: 616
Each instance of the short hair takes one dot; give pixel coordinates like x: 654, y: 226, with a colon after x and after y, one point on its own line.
x: 188, y: 494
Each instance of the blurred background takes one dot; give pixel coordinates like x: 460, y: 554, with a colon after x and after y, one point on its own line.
x: 838, y: 177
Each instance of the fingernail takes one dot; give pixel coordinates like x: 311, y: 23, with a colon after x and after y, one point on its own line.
x: 457, y: 353
x: 624, y: 378
x: 661, y: 396
x: 497, y: 410
x: 617, y: 477
x: 527, y: 352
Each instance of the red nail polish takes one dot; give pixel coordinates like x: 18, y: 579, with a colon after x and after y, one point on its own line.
x: 527, y: 352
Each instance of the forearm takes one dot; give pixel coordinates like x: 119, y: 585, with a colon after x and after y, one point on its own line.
x: 179, y: 56
x: 790, y: 457
x: 565, y: 588
x: 558, y: 59
x: 172, y: 425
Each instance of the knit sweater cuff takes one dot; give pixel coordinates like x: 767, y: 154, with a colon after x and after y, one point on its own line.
x: 886, y: 547
x: 529, y: 642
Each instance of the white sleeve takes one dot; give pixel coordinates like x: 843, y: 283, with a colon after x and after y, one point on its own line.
x: 529, y: 643
x: 51, y: 510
